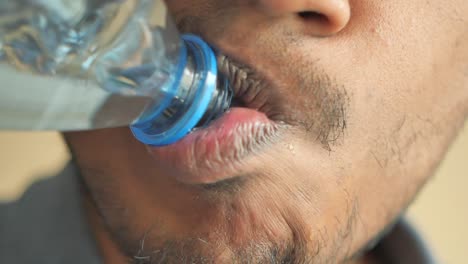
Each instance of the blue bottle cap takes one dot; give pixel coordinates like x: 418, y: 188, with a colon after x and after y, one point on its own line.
x: 207, y: 71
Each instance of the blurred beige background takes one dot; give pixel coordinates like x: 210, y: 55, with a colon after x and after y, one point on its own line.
x: 440, y: 212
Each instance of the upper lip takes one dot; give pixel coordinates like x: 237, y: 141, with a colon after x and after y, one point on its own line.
x: 205, y: 158
x: 250, y: 88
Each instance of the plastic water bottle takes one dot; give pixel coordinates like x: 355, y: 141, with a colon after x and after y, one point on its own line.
x: 78, y: 65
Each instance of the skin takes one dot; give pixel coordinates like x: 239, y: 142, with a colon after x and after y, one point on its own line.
x: 368, y: 97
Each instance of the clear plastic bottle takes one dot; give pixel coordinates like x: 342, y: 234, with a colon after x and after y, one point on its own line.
x: 78, y: 64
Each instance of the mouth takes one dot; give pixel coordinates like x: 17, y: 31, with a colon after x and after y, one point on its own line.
x: 218, y: 152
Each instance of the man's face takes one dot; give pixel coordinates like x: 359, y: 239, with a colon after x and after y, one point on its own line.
x: 347, y: 108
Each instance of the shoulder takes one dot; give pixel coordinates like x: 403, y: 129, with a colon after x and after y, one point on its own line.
x: 404, y: 245
x: 46, y: 225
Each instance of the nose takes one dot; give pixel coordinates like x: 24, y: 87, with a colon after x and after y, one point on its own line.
x: 323, y: 17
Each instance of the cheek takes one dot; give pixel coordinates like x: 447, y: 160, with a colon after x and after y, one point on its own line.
x: 321, y: 184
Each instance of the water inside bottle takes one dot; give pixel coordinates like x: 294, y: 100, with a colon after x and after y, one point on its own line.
x: 119, y: 44
x: 88, y: 64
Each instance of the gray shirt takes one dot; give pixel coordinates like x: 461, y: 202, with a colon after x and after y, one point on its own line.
x: 47, y: 226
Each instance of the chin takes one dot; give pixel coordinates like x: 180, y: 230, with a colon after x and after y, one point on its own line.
x: 245, y: 226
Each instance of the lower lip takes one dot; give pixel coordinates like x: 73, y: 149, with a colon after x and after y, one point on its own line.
x: 213, y: 154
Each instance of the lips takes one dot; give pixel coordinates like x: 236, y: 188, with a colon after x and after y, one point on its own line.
x: 216, y: 153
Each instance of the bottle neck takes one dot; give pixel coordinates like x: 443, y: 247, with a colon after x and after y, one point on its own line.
x: 198, y: 96
x: 219, y: 103
x: 221, y: 97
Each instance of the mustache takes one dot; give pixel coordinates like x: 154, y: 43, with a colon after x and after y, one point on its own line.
x: 316, y: 103
x: 313, y: 102
x: 250, y: 88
